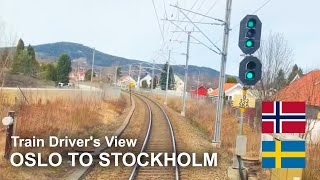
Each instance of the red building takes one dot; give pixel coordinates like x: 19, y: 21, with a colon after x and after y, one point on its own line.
x: 201, y: 91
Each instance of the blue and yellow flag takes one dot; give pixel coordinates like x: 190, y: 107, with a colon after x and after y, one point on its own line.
x: 283, y: 154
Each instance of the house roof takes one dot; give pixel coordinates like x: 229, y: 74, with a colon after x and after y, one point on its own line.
x: 295, y: 78
x: 201, y: 87
x: 125, y: 79
x: 227, y: 86
x: 197, y: 90
x: 307, y: 89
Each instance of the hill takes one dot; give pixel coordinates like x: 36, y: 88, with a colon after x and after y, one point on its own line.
x: 75, y: 51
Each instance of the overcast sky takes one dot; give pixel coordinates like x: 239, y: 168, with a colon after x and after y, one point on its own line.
x: 130, y: 29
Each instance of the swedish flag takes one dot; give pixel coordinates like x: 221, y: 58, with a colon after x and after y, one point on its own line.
x: 283, y: 154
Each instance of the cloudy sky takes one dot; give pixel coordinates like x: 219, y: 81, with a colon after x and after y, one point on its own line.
x: 130, y: 28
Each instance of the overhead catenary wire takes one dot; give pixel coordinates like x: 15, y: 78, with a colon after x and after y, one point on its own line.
x: 201, y: 32
x: 184, y: 17
x: 197, y: 12
x: 195, y: 38
x: 214, y: 4
x: 155, y: 10
x: 193, y: 15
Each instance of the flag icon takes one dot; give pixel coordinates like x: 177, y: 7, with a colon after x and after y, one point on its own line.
x: 283, y: 117
x: 283, y: 154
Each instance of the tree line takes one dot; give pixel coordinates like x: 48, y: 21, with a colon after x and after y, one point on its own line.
x: 25, y: 63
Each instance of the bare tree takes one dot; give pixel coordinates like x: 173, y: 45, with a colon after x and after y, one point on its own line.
x: 274, y: 54
x: 7, y: 40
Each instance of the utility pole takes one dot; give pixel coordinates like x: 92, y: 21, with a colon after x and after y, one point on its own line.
x: 152, y: 76
x: 198, y: 85
x: 217, y: 131
x: 78, y: 74
x: 115, y: 76
x: 183, y: 112
x: 129, y: 73
x: 94, y: 50
x: 167, y: 82
x: 139, y: 76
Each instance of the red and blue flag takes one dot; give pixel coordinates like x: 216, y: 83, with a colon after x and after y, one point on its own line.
x: 283, y: 117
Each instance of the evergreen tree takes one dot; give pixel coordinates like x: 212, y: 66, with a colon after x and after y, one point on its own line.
x: 51, y: 72
x: 119, y: 72
x: 87, y: 75
x: 25, y: 63
x: 16, y: 63
x: 231, y: 80
x: 144, y: 84
x: 155, y: 82
x: 34, y: 62
x: 295, y: 70
x: 280, y: 80
x: 163, y: 78
x: 63, y: 68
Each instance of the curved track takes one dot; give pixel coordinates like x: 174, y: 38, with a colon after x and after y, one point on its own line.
x: 157, y: 135
x: 159, y: 139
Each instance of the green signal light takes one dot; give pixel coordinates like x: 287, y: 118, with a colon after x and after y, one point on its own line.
x: 249, y: 75
x: 249, y: 43
x: 251, y: 23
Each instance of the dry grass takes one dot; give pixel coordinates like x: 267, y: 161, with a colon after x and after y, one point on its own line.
x: 48, y: 114
x: 202, y: 115
x: 313, y: 162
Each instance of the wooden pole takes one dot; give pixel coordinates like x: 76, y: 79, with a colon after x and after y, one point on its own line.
x: 8, y: 137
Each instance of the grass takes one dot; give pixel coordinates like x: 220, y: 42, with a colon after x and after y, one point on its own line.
x: 202, y: 115
x: 70, y: 114
x: 313, y: 162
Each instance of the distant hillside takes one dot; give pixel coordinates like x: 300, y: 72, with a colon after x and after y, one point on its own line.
x: 75, y: 51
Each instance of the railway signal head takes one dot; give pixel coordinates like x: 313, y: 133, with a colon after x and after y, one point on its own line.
x: 250, y: 70
x: 250, y: 34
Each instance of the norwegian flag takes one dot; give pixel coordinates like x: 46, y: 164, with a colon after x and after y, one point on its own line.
x: 283, y: 117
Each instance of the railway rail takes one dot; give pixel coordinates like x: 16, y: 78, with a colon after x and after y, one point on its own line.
x: 157, y: 137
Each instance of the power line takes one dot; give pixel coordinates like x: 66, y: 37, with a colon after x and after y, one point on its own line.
x: 201, y: 32
x: 165, y: 9
x: 203, y: 15
x: 261, y: 6
x: 184, y: 17
x: 155, y: 10
x: 195, y: 38
x: 214, y: 4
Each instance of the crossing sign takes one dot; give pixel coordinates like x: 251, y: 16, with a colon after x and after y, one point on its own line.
x: 239, y: 102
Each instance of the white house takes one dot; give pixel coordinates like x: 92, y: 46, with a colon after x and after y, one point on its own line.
x: 179, y: 84
x: 230, y: 90
x: 77, y: 76
x: 146, y: 78
x: 125, y: 80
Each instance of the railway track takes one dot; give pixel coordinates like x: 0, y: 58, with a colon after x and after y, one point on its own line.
x: 159, y: 139
x: 155, y: 135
